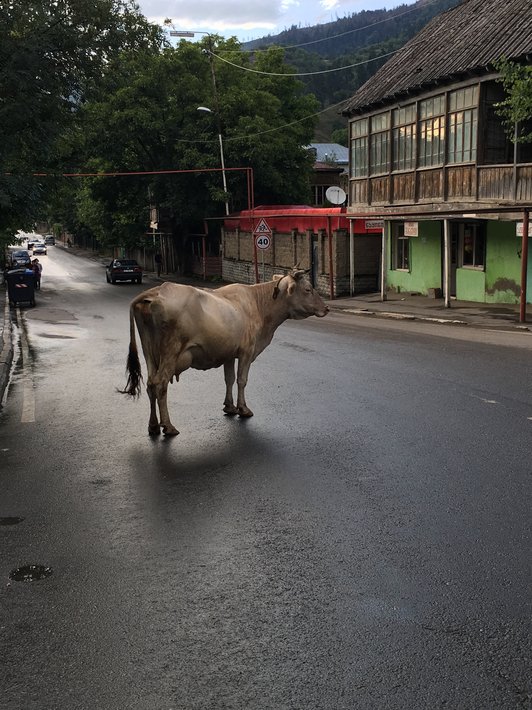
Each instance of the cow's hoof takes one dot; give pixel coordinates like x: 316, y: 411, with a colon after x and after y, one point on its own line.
x: 170, y: 431
x: 245, y: 412
x: 230, y: 409
x: 154, y: 430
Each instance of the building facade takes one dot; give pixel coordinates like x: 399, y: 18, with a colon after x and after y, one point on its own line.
x: 429, y: 155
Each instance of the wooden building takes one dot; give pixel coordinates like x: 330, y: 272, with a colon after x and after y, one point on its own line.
x: 430, y: 156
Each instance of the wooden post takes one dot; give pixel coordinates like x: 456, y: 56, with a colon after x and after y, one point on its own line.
x: 331, y: 276
x: 446, y: 264
x: 351, y: 259
x: 384, y: 264
x: 524, y: 267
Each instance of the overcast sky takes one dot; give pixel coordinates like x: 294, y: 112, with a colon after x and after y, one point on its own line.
x: 250, y: 19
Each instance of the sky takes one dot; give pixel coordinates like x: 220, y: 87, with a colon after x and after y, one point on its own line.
x: 252, y: 19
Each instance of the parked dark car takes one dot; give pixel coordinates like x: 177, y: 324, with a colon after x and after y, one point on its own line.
x: 19, y: 258
x: 123, y: 270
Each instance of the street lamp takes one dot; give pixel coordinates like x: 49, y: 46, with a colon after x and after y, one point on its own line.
x: 208, y: 110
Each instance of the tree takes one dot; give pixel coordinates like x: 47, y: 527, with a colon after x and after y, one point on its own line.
x: 51, y: 57
x: 145, y: 118
x: 516, y: 109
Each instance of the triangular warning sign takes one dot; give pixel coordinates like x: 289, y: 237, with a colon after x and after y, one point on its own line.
x: 262, y: 227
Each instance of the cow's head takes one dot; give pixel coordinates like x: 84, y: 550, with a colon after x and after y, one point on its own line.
x: 299, y: 296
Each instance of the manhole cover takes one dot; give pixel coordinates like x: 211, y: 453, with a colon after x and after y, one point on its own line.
x: 10, y: 520
x: 30, y: 573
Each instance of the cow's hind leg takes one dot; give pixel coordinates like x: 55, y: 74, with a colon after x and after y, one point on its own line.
x: 153, y: 427
x: 241, y: 381
x: 229, y: 375
x: 161, y: 389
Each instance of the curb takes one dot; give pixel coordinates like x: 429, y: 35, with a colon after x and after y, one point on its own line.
x: 401, y: 316
x: 6, y: 356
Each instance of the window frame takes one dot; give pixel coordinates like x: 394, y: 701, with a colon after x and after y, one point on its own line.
x: 432, y: 122
x: 400, y: 256
x: 462, y: 117
x: 359, y: 167
x: 404, y: 137
x: 475, y: 234
x: 379, y: 143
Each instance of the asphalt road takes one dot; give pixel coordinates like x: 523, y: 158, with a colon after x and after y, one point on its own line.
x: 362, y: 542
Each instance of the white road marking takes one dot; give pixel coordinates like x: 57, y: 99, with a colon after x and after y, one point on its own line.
x: 482, y: 399
x: 28, y: 390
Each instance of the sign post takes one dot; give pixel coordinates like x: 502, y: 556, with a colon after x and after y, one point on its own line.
x: 262, y: 239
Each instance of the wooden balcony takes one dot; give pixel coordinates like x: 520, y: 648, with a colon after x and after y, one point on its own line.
x: 454, y: 187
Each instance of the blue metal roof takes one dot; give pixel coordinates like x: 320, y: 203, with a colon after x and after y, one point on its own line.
x: 330, y: 152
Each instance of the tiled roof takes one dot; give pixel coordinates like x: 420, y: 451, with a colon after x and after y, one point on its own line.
x: 463, y: 41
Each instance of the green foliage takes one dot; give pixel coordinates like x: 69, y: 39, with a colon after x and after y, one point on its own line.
x: 51, y: 57
x: 340, y: 136
x: 516, y: 109
x: 145, y: 117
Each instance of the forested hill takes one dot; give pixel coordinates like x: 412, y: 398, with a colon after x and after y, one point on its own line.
x: 359, y: 29
x: 361, y: 38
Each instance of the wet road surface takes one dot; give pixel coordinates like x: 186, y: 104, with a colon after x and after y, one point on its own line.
x: 362, y: 542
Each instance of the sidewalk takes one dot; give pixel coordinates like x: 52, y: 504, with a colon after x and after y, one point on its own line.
x: 502, y: 316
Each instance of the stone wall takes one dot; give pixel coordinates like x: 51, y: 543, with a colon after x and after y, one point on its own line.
x: 286, y: 251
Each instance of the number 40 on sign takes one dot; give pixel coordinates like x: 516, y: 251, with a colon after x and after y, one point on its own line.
x: 263, y: 241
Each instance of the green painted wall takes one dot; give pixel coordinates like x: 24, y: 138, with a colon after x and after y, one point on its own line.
x: 470, y: 285
x: 503, y: 265
x: 425, y: 262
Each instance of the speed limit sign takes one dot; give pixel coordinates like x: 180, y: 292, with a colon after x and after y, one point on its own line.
x: 263, y: 241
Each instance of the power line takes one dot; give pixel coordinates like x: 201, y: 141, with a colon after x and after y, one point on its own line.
x: 312, y: 73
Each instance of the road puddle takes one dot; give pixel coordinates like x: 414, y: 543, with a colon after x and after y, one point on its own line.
x: 30, y: 573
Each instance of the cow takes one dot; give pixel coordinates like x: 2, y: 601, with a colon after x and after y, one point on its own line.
x: 183, y: 326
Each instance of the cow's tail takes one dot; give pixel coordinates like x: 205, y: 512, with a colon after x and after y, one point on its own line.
x: 134, y: 374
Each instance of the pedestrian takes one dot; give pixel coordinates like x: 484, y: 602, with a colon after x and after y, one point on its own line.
x: 158, y: 263
x: 36, y: 267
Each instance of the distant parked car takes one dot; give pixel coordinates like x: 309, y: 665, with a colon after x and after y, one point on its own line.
x: 39, y: 248
x: 123, y: 270
x: 49, y: 240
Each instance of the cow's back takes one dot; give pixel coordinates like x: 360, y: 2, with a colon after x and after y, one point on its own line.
x: 174, y: 319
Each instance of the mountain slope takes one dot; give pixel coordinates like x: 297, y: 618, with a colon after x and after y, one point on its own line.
x: 338, y: 57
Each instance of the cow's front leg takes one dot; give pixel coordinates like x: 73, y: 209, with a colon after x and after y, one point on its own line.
x: 161, y: 390
x: 229, y: 375
x: 241, y: 382
x: 153, y: 427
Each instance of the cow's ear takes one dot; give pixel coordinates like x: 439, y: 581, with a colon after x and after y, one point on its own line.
x: 291, y: 288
